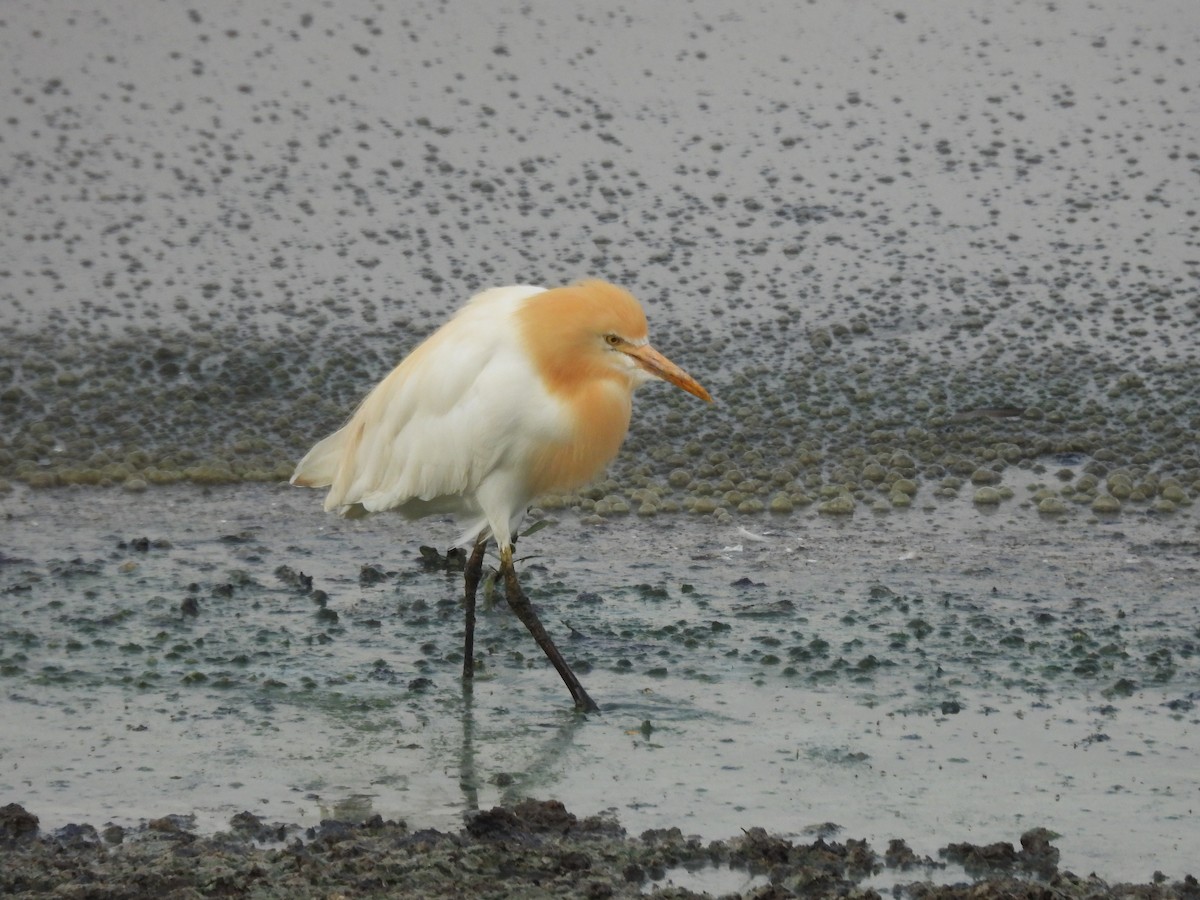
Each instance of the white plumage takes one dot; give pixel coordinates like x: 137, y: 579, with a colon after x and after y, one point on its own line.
x: 526, y: 390
x: 450, y: 429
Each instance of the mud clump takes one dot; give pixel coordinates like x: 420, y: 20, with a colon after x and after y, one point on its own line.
x: 530, y: 849
x: 16, y: 824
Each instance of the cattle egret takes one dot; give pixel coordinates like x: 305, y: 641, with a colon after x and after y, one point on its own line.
x: 523, y: 392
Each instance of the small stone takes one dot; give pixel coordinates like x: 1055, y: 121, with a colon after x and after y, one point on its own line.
x: 780, y: 503
x: 874, y: 472
x: 679, y: 478
x: 617, y: 506
x: 841, y: 505
x: 987, y: 496
x: 1174, y: 493
x: 1119, y: 485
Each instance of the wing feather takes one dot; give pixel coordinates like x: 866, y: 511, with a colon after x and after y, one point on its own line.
x: 461, y: 409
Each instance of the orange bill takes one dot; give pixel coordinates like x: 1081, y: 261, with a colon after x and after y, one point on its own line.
x: 661, y: 367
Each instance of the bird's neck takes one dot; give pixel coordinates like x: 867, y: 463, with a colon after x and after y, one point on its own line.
x: 597, y: 419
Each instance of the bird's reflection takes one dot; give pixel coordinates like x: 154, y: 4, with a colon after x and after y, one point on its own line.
x: 540, y: 771
x: 468, y: 777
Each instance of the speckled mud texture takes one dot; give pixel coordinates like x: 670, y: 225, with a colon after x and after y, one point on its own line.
x: 531, y: 850
x: 922, y: 582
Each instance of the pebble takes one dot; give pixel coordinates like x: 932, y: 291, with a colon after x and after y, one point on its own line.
x: 1051, y: 506
x: 987, y: 496
x: 841, y: 505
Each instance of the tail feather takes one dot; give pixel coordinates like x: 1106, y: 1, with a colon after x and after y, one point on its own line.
x: 320, y: 465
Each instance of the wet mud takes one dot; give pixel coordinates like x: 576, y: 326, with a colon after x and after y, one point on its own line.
x: 935, y: 695
x: 532, y: 849
x: 919, y: 586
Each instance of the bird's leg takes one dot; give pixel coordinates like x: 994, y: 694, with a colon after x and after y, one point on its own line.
x: 471, y: 575
x: 520, y: 604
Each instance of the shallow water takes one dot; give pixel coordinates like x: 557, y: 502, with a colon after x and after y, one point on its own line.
x: 881, y: 674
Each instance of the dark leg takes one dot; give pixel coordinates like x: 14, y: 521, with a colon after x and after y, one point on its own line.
x: 471, y: 576
x: 519, y: 604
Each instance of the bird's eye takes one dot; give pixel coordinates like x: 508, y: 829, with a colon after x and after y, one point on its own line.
x: 612, y: 340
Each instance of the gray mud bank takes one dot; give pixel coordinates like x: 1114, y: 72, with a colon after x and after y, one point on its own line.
x: 533, y: 849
